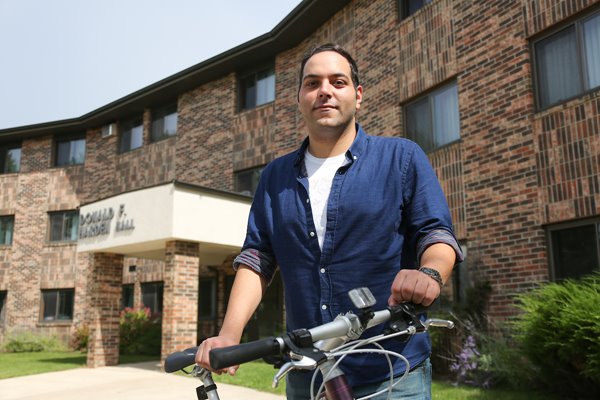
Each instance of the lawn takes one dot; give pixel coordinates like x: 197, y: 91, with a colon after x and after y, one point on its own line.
x: 19, y: 364
x: 257, y: 375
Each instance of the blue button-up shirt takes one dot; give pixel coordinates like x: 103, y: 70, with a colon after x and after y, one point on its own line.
x: 385, y: 207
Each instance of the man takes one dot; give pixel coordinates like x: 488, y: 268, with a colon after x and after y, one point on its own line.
x: 345, y: 210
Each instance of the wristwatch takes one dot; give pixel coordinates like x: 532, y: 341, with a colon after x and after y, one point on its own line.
x: 433, y: 273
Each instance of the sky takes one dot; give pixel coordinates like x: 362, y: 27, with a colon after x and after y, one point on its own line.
x: 60, y: 59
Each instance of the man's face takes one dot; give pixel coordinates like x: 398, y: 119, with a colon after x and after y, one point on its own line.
x: 327, y: 97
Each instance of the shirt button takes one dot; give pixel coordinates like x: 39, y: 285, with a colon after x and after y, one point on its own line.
x: 324, y: 307
x: 322, y: 270
x: 354, y: 158
x: 312, y: 234
x: 308, y: 200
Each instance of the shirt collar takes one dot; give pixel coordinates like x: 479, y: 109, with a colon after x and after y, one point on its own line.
x: 356, y: 149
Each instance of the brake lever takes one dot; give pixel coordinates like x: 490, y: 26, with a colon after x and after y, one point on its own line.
x: 304, y: 363
x: 404, y: 316
x: 439, y: 323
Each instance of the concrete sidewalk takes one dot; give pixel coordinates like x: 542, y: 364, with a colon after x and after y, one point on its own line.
x: 130, y: 381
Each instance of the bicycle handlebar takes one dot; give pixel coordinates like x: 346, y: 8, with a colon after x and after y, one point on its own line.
x: 180, y: 359
x: 330, y: 335
x: 341, y: 327
x: 234, y: 355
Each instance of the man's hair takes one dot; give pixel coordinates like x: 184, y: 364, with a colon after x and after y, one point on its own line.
x: 335, y: 48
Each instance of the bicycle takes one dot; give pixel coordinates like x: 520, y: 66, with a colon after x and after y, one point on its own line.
x: 323, y: 347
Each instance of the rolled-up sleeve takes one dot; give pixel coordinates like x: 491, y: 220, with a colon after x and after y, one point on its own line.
x: 439, y: 236
x: 257, y: 253
x: 426, y: 209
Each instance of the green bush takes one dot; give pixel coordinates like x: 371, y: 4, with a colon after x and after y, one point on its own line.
x: 140, y: 332
x: 28, y: 342
x: 81, y: 338
x: 559, y: 330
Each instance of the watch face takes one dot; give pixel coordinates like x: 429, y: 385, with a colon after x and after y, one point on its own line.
x: 362, y: 297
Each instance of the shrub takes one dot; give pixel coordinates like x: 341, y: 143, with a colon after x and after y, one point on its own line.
x: 28, y: 342
x: 559, y: 330
x: 140, y: 332
x: 81, y: 338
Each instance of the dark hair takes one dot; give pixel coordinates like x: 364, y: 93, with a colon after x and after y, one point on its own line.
x: 335, y: 48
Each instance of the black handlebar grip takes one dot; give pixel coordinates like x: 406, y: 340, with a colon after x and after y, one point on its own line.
x: 225, y: 357
x: 180, y: 359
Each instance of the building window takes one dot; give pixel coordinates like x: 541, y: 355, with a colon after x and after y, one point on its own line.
x: 57, y: 304
x: 575, y: 249
x: 257, y: 88
x: 207, y: 297
x: 152, y: 296
x: 433, y: 120
x: 69, y: 151
x: 2, y: 305
x: 10, y: 159
x: 568, y: 62
x: 164, y: 122
x: 7, y: 226
x: 127, y: 296
x: 409, y: 7
x: 131, y: 135
x: 64, y: 226
x: 246, y: 181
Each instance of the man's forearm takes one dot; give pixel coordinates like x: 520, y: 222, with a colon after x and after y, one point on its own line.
x: 246, y: 293
x: 440, y: 257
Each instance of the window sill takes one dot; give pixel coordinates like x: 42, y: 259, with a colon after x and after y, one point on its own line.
x: 55, y: 323
x: 162, y: 139
x: 61, y: 244
x: 569, y: 102
x: 125, y: 152
x: 255, y: 108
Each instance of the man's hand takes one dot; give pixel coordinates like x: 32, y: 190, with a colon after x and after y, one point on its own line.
x: 414, y: 286
x: 215, y: 342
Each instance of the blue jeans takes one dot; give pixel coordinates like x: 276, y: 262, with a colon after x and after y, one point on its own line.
x: 416, y: 386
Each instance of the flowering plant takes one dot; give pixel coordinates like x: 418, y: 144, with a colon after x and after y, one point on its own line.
x: 472, y: 367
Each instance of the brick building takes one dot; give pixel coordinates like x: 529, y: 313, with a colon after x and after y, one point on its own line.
x: 144, y: 200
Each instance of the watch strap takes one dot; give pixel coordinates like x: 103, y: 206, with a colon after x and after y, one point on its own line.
x: 434, y: 274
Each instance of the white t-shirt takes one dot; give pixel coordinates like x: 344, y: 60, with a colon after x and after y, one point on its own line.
x: 320, y: 177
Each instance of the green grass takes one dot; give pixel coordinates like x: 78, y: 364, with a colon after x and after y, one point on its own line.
x: 445, y: 391
x: 256, y: 375
x: 20, y: 364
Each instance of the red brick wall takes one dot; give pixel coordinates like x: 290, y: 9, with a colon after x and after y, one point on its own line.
x: 514, y: 169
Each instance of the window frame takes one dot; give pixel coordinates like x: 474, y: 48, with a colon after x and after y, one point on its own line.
x: 577, y: 24
x: 564, y: 226
x: 236, y: 174
x: 4, y: 149
x: 70, y: 138
x: 3, y: 219
x: 403, y: 9
x: 64, y: 214
x: 160, y: 113
x: 254, y: 73
x: 56, y: 319
x: 429, y: 97
x: 127, y: 126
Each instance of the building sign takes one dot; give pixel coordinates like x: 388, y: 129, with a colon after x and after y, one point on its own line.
x: 99, y: 222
